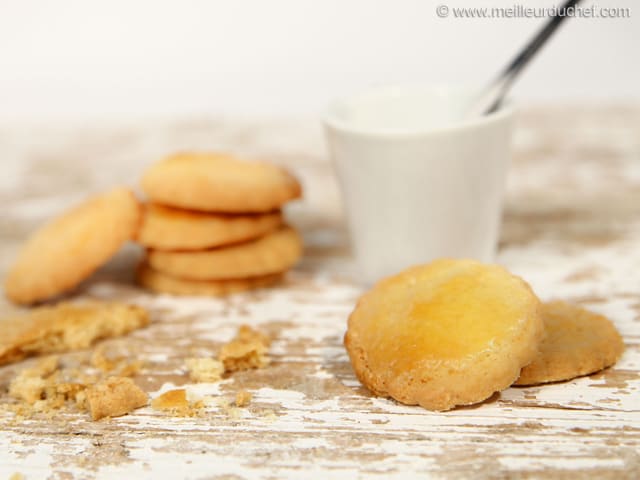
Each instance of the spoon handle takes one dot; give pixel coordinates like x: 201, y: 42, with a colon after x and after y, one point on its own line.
x: 492, y: 97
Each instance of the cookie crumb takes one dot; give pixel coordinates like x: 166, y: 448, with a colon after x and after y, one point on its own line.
x: 246, y: 351
x: 171, y: 399
x: 16, y: 476
x: 243, y: 398
x: 114, y: 397
x: 176, y: 402
x: 44, y: 388
x: 30, y: 384
x: 204, y: 369
x: 47, y: 386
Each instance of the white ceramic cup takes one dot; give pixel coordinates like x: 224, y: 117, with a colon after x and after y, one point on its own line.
x: 418, y: 180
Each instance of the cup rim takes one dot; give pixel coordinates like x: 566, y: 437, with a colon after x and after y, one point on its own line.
x: 330, y: 120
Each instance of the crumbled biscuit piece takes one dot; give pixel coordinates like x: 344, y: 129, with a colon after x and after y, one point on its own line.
x: 27, y: 388
x: 43, y: 387
x: 171, y: 399
x: 115, y: 396
x: 66, y: 327
x: 30, y: 384
x: 16, y: 476
x: 58, y: 394
x: 246, y: 351
x: 243, y: 398
x: 176, y: 402
x: 204, y: 369
x: 48, y: 386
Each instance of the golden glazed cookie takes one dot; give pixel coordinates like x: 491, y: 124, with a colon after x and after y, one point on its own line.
x: 66, y: 327
x: 273, y: 253
x: 67, y: 250
x: 162, y: 283
x: 577, y: 342
x: 449, y: 333
x: 168, y: 228
x: 219, y: 183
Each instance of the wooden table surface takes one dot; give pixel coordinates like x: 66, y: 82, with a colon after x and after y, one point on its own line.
x: 571, y: 228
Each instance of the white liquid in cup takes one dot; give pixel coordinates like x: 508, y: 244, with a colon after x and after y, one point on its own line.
x: 418, y: 182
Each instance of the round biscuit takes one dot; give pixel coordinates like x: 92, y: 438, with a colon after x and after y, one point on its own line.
x: 167, y: 228
x: 162, y: 283
x: 219, y: 183
x: 577, y: 342
x: 275, y: 252
x: 449, y: 333
x: 68, y: 249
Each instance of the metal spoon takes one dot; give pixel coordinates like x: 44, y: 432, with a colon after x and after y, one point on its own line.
x: 493, y: 95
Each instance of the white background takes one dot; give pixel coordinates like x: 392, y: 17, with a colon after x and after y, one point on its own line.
x: 116, y: 59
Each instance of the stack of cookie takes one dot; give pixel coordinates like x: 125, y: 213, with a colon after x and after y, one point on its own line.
x: 213, y: 225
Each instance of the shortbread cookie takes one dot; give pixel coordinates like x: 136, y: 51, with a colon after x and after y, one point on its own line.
x: 66, y: 327
x: 163, y: 283
x: 273, y: 253
x: 114, y: 397
x: 168, y: 228
x: 577, y: 342
x: 67, y: 250
x: 449, y: 333
x: 219, y: 183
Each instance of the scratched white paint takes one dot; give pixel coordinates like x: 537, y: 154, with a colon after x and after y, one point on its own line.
x: 572, y: 227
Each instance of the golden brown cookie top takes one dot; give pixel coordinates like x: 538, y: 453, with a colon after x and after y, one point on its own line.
x: 444, y: 334
x: 68, y: 249
x: 220, y: 183
x: 577, y: 342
